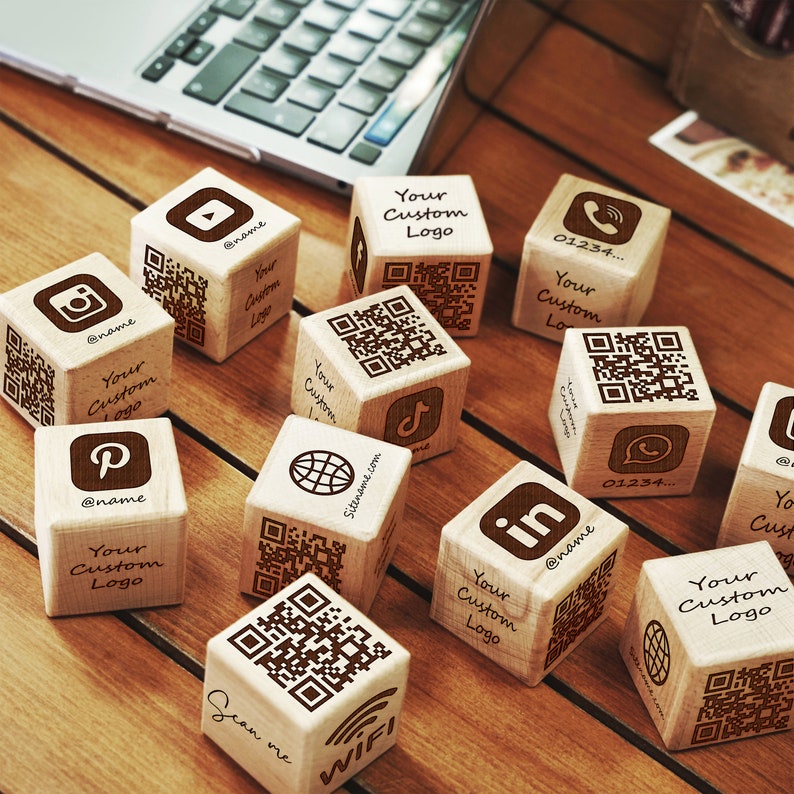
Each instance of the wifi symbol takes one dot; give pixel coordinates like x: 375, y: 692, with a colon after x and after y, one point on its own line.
x: 354, y: 725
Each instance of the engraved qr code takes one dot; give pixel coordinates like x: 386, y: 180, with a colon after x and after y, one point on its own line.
x: 29, y: 380
x: 309, y: 647
x: 644, y: 366
x: 746, y: 701
x: 180, y: 291
x: 580, y: 609
x: 287, y: 553
x: 386, y: 336
x: 447, y: 289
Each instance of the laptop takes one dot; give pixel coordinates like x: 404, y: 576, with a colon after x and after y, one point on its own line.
x: 327, y: 90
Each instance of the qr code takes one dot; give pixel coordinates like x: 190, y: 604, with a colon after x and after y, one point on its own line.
x: 286, y: 554
x: 746, y: 701
x: 386, y: 336
x: 447, y: 289
x: 579, y: 609
x: 180, y: 291
x: 309, y: 647
x: 29, y: 380
x: 643, y: 366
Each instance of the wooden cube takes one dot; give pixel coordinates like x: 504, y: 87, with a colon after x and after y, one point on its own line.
x: 328, y: 501
x: 84, y: 344
x: 761, y: 503
x: 709, y: 645
x: 630, y: 411
x: 219, y: 258
x: 590, y: 260
x: 304, y: 691
x: 110, y: 516
x: 427, y: 232
x: 527, y: 571
x: 382, y: 366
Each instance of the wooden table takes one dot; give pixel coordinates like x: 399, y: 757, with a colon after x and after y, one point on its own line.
x: 112, y: 702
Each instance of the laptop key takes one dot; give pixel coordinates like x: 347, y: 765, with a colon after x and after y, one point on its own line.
x: 202, y: 23
x: 393, y: 9
x: 306, y: 39
x: 370, y: 27
x: 277, y: 14
x: 256, y: 35
x: 311, y: 95
x: 350, y: 48
x: 198, y: 52
x: 401, y: 52
x: 265, y: 85
x: 213, y: 82
x: 365, y: 153
x: 330, y: 71
x: 421, y: 31
x: 348, y: 5
x: 325, y: 17
x: 337, y: 128
x: 236, y: 9
x: 289, y: 118
x: 157, y: 68
x: 365, y: 100
x: 380, y: 74
x: 439, y: 10
x: 180, y: 45
x: 285, y: 62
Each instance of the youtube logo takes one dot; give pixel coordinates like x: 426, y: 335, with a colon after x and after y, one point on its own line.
x: 209, y: 214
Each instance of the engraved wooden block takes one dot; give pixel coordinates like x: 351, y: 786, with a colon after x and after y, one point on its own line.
x: 527, y: 571
x: 110, y: 516
x: 83, y: 344
x: 427, y: 232
x: 590, y: 259
x: 382, y: 366
x: 304, y: 691
x: 219, y: 258
x: 761, y: 503
x: 630, y: 411
x: 329, y: 501
x: 709, y: 645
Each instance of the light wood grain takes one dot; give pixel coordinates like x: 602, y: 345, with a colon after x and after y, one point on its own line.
x: 327, y: 501
x: 383, y: 366
x: 418, y: 230
x: 590, y: 259
x: 705, y: 634
x: 725, y: 274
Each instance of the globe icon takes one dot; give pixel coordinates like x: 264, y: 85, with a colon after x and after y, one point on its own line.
x: 656, y: 651
x: 321, y: 472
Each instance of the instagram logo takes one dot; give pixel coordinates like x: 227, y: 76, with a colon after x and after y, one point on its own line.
x: 77, y: 303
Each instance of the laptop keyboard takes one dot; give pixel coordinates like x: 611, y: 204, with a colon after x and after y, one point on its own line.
x: 345, y: 74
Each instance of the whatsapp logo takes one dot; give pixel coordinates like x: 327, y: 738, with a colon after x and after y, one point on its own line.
x: 648, y: 448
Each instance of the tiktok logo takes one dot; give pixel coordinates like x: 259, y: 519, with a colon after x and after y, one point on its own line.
x: 110, y: 461
x: 358, y: 254
x: 781, y: 428
x: 529, y: 521
x: 415, y: 417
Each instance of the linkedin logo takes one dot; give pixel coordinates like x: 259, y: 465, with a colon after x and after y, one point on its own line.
x: 529, y: 521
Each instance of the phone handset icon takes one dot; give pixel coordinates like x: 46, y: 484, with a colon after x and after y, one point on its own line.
x: 591, y: 208
x: 602, y: 217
